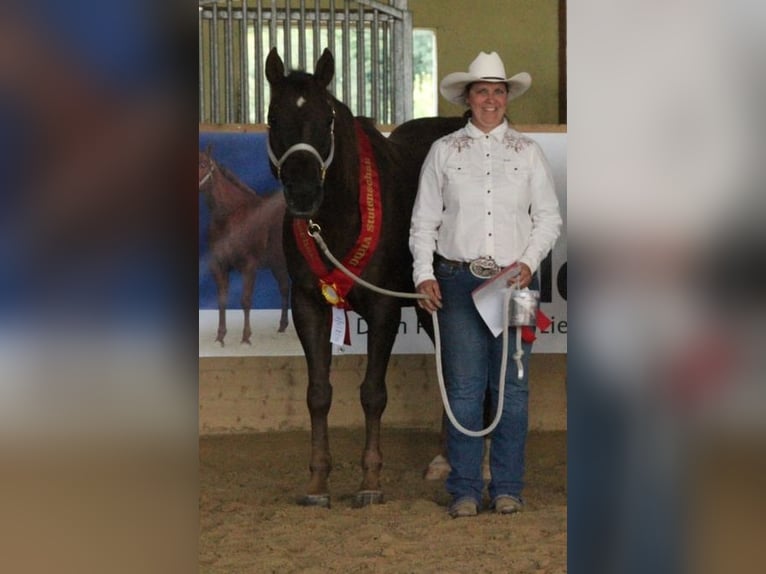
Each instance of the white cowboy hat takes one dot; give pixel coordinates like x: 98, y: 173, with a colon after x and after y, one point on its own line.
x: 485, y: 68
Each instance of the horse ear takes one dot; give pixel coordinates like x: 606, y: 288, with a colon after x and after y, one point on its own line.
x: 325, y: 68
x: 275, y: 68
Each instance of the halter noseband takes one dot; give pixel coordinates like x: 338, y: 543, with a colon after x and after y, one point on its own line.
x: 301, y: 146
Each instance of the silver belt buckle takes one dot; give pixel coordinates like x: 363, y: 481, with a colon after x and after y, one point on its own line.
x: 484, y: 267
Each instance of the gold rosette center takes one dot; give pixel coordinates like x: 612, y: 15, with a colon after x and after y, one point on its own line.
x: 330, y: 293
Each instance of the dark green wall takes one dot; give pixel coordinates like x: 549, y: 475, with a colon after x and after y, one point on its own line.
x: 525, y: 33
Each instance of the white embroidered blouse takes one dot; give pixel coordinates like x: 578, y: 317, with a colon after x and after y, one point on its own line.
x: 484, y: 195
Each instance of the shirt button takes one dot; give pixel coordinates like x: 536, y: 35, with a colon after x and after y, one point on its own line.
x: 489, y: 191
x: 487, y: 155
x: 487, y: 173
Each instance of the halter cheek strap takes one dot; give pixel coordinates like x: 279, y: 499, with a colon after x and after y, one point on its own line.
x: 208, y: 175
x: 301, y: 146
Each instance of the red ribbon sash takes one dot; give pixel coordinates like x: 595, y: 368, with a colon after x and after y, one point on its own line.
x: 335, y: 284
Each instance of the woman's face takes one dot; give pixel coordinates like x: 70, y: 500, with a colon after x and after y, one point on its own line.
x: 487, y: 101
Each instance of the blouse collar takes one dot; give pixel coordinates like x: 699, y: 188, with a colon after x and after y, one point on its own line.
x: 497, y: 133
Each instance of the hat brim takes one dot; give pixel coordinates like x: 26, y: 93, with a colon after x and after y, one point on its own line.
x: 452, y: 87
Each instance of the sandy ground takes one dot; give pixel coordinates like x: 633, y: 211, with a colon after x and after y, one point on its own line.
x: 250, y: 522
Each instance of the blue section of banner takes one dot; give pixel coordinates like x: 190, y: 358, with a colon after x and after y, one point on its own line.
x: 245, y: 155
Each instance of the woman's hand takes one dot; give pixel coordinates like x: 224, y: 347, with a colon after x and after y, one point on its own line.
x: 430, y: 287
x: 523, y: 278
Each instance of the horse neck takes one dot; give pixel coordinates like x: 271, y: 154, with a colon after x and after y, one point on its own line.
x: 226, y: 196
x: 342, y: 182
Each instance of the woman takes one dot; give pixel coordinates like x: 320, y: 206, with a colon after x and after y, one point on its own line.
x: 486, y: 196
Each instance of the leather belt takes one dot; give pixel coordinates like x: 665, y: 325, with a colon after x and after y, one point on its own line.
x: 481, y: 268
x: 451, y: 262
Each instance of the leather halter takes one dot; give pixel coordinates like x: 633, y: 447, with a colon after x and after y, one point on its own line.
x: 302, y: 146
x: 208, y: 175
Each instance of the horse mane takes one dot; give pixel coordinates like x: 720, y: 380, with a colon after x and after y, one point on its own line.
x: 383, y: 149
x: 345, y: 120
x: 368, y: 124
x: 242, y: 186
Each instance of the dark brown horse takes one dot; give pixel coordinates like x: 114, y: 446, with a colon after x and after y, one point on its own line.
x: 316, y: 146
x: 244, y: 234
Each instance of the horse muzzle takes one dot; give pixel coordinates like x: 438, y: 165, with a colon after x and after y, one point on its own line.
x: 303, y: 201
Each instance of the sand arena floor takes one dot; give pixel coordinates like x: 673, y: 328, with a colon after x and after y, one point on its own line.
x: 250, y: 522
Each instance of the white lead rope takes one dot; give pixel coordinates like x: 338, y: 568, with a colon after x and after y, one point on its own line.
x: 503, y: 367
x: 315, y: 232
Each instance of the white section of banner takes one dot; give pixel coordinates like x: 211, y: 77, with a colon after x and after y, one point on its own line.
x: 266, y: 341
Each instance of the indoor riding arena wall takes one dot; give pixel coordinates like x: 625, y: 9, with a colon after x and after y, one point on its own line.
x: 254, y: 394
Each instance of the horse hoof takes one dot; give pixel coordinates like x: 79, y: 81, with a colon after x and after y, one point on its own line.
x: 366, y: 497
x: 438, y: 469
x: 320, y: 500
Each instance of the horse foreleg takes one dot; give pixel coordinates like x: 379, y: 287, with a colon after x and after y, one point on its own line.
x: 222, y: 292
x: 248, y: 283
x: 319, y: 399
x: 374, y: 397
x: 313, y: 327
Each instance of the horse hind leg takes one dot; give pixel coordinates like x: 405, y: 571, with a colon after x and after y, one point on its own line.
x: 248, y: 283
x: 221, y: 334
x: 283, y: 281
x: 246, y: 331
x: 439, y: 467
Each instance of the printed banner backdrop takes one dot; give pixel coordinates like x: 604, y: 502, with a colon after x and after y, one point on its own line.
x: 245, y: 155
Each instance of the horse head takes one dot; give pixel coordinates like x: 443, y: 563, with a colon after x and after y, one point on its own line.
x: 301, y: 140
x: 206, y: 168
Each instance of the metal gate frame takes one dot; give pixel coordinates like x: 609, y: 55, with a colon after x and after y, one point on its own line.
x: 227, y: 63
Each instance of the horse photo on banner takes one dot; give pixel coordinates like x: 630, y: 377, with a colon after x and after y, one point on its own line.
x: 242, y: 263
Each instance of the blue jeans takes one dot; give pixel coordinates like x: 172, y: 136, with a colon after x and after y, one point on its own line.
x: 471, y: 358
